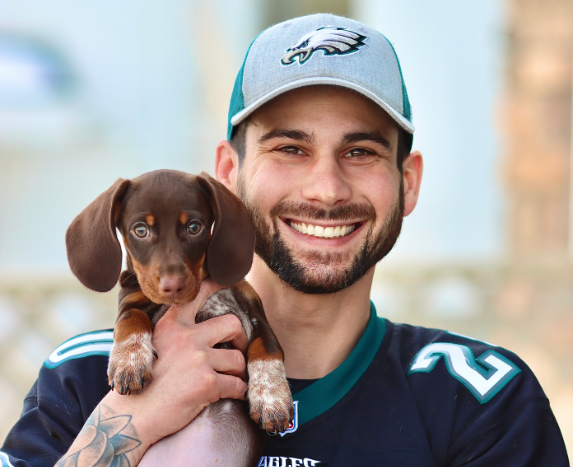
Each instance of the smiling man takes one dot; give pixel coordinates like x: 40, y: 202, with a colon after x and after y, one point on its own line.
x: 335, y: 153
x: 319, y: 149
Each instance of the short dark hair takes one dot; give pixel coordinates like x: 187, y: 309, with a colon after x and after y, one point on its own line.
x: 238, y: 139
x: 238, y: 142
x: 405, y: 141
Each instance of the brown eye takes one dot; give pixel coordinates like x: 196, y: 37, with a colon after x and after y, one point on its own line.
x: 194, y: 227
x: 358, y: 152
x: 141, y: 230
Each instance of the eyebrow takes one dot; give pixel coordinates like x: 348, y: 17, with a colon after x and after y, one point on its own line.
x: 298, y: 135
x: 373, y: 136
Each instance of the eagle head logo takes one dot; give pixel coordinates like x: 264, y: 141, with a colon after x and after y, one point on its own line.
x: 333, y: 41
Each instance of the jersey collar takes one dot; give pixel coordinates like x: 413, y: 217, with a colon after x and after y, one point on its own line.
x: 324, y: 393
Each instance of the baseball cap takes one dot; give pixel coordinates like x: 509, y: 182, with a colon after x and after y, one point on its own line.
x: 320, y: 49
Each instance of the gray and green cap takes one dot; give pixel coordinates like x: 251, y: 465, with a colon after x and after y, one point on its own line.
x: 320, y: 49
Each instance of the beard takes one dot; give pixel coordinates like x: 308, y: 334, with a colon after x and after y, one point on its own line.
x: 315, y: 271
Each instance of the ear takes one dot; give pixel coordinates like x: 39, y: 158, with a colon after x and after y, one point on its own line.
x: 227, y: 165
x: 412, y: 169
x: 232, y: 244
x: 93, y: 249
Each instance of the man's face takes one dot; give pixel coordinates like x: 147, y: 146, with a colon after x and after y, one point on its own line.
x: 321, y: 180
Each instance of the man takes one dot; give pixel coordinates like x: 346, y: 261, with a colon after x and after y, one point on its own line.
x: 319, y: 150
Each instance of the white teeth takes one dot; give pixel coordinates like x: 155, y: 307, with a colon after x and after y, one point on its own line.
x: 320, y: 231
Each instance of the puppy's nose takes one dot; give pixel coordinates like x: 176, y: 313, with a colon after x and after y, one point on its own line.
x: 172, y: 285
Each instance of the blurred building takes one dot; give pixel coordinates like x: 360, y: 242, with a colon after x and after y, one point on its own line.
x: 537, y: 136
x: 538, y: 170
x: 523, y: 299
x: 111, y: 90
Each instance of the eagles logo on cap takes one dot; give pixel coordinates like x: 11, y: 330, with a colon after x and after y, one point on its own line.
x: 333, y: 41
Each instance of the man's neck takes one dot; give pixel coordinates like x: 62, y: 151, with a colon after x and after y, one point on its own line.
x: 316, y: 332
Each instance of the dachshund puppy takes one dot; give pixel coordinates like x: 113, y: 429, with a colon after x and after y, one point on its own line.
x: 178, y: 229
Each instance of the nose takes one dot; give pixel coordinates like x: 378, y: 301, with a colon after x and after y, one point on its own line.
x: 326, y: 182
x: 172, y: 285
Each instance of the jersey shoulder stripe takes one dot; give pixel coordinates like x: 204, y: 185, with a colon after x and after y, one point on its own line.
x: 80, y: 346
x: 4, y: 460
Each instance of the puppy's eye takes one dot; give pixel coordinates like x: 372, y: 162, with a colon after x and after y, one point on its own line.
x: 194, y: 227
x: 141, y: 230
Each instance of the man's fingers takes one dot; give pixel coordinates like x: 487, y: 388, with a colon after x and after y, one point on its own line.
x: 226, y: 328
x: 231, y: 362
x: 231, y: 387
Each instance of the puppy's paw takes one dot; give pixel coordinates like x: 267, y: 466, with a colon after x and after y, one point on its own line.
x: 269, y: 395
x: 130, y: 362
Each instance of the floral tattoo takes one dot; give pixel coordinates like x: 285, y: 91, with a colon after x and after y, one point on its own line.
x: 103, y: 442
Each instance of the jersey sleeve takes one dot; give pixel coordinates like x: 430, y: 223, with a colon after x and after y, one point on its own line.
x: 41, y: 435
x: 481, y: 404
x: 70, y: 384
x: 527, y: 437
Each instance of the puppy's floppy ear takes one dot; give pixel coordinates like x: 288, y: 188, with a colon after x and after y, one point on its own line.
x: 93, y: 249
x: 230, y: 251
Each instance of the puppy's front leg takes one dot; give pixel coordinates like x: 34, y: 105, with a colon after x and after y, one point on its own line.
x: 269, y: 394
x: 131, y: 358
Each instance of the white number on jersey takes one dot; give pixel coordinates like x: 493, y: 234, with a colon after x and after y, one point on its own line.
x: 484, y: 376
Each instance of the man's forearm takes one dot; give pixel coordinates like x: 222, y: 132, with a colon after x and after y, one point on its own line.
x: 188, y: 376
x: 107, y: 438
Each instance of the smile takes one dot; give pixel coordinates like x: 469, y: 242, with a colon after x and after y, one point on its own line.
x: 323, y: 232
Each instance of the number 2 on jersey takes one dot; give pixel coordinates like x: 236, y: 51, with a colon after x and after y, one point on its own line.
x: 484, y: 376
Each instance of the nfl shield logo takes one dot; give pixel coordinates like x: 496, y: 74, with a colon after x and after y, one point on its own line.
x: 294, y: 424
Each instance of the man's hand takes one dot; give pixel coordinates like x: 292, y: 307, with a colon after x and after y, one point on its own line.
x: 188, y: 375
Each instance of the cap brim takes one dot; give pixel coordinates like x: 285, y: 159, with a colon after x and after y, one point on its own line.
x: 400, y: 120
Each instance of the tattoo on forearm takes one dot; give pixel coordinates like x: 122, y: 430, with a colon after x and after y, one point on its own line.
x: 103, y: 442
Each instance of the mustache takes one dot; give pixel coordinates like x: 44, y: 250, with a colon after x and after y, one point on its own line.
x: 337, y: 213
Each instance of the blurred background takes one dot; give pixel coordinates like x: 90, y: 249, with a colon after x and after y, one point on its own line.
x: 93, y: 91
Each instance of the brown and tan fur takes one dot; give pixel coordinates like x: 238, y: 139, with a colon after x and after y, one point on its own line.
x: 194, y: 228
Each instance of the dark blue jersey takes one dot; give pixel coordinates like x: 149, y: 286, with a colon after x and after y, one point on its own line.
x: 406, y: 396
